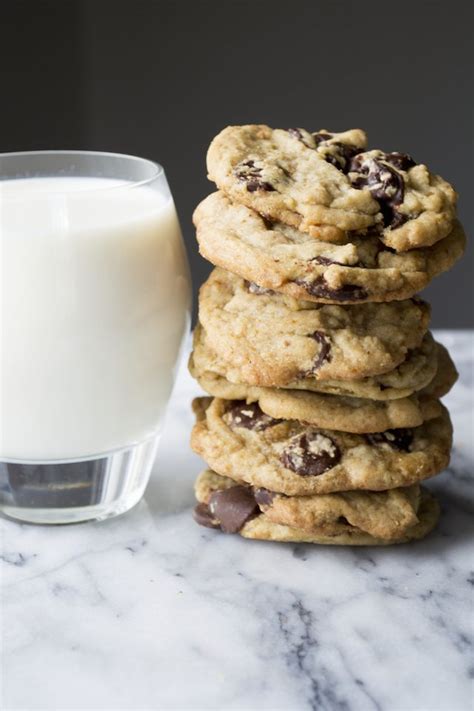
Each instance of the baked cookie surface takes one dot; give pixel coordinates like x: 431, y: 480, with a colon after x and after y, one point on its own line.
x: 339, y: 412
x: 240, y: 441
x: 281, y: 258
x: 413, y: 374
x: 350, y: 518
x: 326, y: 184
x: 271, y: 337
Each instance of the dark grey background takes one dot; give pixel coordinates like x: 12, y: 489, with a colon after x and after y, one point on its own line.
x: 159, y: 78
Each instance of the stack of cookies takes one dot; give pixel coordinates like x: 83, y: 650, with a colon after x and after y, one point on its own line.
x: 324, y: 381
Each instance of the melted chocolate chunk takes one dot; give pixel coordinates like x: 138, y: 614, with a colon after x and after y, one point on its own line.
x: 204, y: 517
x: 396, y: 219
x: 402, y: 161
x: 385, y: 184
x: 321, y: 137
x: 264, y: 497
x: 327, y: 261
x: 303, y: 136
x: 400, y: 439
x: 268, y: 221
x: 251, y: 174
x: 324, y: 354
x: 233, y: 507
x: 256, y: 289
x: 319, y: 288
x: 337, y: 153
x: 341, y: 155
x: 310, y: 454
x: 250, y: 417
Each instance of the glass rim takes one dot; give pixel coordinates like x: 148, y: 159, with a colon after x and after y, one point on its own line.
x: 158, y: 169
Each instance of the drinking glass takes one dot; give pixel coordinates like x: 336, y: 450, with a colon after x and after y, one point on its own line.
x: 94, y: 308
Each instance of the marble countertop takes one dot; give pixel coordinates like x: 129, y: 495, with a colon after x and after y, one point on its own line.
x: 150, y: 611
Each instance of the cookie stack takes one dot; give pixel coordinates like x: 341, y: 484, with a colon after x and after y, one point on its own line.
x: 324, y: 381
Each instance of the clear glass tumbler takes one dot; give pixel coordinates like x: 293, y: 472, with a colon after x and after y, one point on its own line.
x: 94, y: 307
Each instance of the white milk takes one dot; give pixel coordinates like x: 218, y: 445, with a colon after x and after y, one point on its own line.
x: 94, y: 298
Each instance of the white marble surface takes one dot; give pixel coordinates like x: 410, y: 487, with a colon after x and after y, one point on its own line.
x: 150, y: 611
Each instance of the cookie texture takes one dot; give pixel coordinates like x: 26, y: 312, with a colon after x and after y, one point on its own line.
x: 271, y: 337
x: 339, y: 412
x: 261, y: 529
x: 413, y: 374
x: 240, y: 441
x: 327, y: 184
x: 386, y: 514
x: 279, y: 257
x: 351, y: 518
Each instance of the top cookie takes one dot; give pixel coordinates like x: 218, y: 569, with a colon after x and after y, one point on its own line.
x: 327, y: 184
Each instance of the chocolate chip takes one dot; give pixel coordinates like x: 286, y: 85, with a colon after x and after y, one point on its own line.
x: 324, y: 354
x: 310, y: 454
x: 326, y: 261
x: 256, y: 184
x: 385, y: 184
x: 341, y: 154
x: 397, y: 439
x: 321, y: 136
x: 402, y: 161
x: 337, y: 153
x: 248, y: 172
x: 319, y: 288
x: 303, y: 136
x: 204, y: 517
x: 264, y: 497
x: 323, y: 260
x: 396, y: 219
x: 256, y: 289
x: 250, y: 417
x: 268, y: 221
x: 233, y: 507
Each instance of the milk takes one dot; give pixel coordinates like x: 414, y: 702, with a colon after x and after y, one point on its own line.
x: 94, y: 299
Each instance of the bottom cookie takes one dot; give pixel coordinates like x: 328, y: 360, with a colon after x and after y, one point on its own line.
x: 371, y: 518
x: 263, y: 530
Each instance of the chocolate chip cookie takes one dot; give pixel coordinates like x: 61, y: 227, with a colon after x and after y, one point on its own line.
x: 273, y: 256
x: 274, y: 338
x: 328, y: 184
x: 339, y: 412
x: 349, y: 518
x: 240, y: 441
x: 414, y: 373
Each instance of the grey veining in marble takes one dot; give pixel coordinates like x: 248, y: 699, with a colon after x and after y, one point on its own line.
x: 149, y: 611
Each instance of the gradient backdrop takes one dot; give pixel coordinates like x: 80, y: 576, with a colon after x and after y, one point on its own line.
x: 159, y: 78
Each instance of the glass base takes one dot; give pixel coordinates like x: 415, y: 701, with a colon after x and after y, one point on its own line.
x: 70, y: 492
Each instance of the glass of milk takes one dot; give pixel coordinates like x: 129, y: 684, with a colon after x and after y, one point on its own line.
x: 94, y: 307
